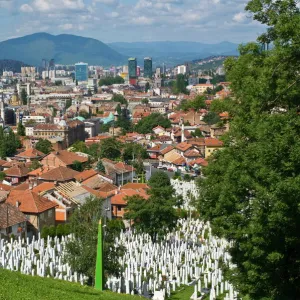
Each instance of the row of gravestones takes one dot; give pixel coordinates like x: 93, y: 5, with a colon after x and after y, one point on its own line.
x: 39, y: 257
x: 188, y: 256
x: 185, y: 189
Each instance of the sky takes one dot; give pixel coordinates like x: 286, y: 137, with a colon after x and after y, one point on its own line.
x: 208, y: 21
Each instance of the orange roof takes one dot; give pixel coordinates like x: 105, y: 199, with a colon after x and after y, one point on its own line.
x: 17, y: 171
x: 59, y: 174
x: 166, y: 150
x: 121, y: 197
x: 66, y: 157
x: 199, y: 161
x: 85, y: 175
x: 183, y: 146
x: 30, y: 202
x: 43, y: 187
x: 192, y: 153
x: 5, y: 187
x: 213, y: 142
x: 135, y: 186
x: 21, y: 187
x: 39, y: 171
x: 31, y: 153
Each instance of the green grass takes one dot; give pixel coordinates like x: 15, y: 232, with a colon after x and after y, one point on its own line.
x: 15, y: 286
x: 184, y: 293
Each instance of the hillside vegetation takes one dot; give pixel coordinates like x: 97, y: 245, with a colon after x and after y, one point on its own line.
x: 14, y: 286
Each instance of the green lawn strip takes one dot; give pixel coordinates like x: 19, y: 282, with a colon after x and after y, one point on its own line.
x: 15, y: 286
x: 183, y: 293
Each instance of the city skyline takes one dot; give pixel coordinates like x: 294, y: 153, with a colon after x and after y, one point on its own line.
x: 208, y: 21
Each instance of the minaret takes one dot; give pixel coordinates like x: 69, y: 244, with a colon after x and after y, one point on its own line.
x: 182, y: 130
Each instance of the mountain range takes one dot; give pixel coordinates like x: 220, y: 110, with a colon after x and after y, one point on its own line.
x: 69, y: 49
x: 172, y: 53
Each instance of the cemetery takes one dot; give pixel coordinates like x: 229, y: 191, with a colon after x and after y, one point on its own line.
x: 189, y: 256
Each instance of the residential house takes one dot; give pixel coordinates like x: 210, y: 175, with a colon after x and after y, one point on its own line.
x: 38, y: 210
x: 62, y: 158
x: 12, y: 221
x: 211, y: 145
x: 59, y: 174
x: 17, y: 173
x: 30, y: 155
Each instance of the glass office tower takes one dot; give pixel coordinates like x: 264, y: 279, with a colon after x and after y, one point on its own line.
x: 148, y: 67
x: 81, y: 71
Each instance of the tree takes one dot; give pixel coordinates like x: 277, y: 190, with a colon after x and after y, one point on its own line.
x: 197, y: 103
x: 35, y: 165
x: 9, y: 143
x: 44, y: 146
x: 76, y: 82
x: 180, y: 85
x: 197, y: 133
x: 146, y: 124
x: 251, y: 191
x: 79, y: 146
x: 147, y: 87
x: 68, y: 103
x: 2, y: 176
x: 145, y: 101
x: 135, y: 150
x: 211, y: 118
x: 81, y: 251
x: 21, y: 129
x: 155, y: 215
x: 58, y: 82
x: 119, y: 98
x: 84, y: 114
x: 100, y: 167
x: 24, y: 96
x: 110, y: 148
x: 77, y: 166
x: 111, y: 80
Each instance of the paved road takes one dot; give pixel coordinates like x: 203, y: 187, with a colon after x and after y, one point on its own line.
x: 154, y: 170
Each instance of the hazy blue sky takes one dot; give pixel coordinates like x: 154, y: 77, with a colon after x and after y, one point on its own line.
x: 131, y: 20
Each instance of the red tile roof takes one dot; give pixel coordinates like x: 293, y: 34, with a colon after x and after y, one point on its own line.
x: 31, y: 153
x: 43, y: 187
x: 213, y: 142
x: 85, y: 175
x: 10, y: 216
x: 30, y: 202
x: 59, y: 174
x: 17, y: 171
x: 184, y: 146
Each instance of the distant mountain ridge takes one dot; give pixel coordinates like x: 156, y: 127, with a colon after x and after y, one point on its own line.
x: 64, y: 48
x: 174, y: 52
x: 11, y: 65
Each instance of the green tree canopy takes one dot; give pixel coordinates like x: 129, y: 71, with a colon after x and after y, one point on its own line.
x: 100, y: 167
x: 180, y: 85
x: 196, y: 104
x: 21, y: 129
x: 251, y: 191
x: 24, y: 96
x: 44, y: 146
x: 119, y: 98
x: 147, y: 87
x: 155, y: 215
x: 81, y: 251
x: 110, y: 148
x: 9, y: 143
x: 111, y: 80
x: 211, y: 118
x: 146, y: 124
x: 84, y: 114
x: 77, y: 166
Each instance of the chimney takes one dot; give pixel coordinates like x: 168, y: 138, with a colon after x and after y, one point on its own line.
x: 17, y: 204
x: 30, y: 185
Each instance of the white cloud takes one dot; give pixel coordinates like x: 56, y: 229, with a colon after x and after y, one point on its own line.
x: 26, y: 8
x: 142, y: 20
x: 58, y: 5
x: 240, y: 17
x: 67, y: 26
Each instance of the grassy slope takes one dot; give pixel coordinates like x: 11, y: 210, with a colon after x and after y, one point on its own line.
x: 15, y: 286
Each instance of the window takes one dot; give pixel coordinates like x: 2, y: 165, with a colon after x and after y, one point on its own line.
x: 50, y: 213
x: 119, y: 207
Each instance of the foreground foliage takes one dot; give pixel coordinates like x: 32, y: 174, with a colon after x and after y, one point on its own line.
x: 251, y: 192
x: 156, y: 215
x: 14, y: 285
x: 82, y: 250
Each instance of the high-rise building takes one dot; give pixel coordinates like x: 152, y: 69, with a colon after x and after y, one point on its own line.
x: 132, y: 67
x: 148, y: 67
x: 52, y: 63
x: 81, y: 71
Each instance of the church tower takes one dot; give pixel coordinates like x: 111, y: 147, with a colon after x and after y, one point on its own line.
x: 15, y: 100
